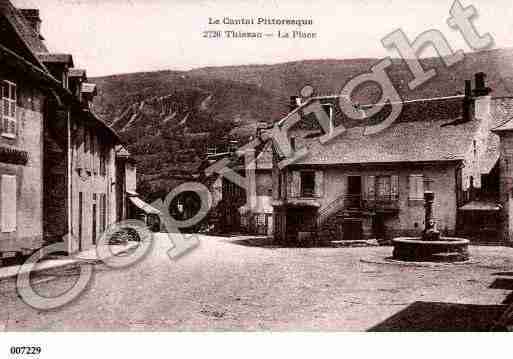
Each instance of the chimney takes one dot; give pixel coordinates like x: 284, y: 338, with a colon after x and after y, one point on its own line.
x: 467, y: 101
x: 482, y: 98
x: 33, y: 19
x: 294, y: 102
x: 481, y: 89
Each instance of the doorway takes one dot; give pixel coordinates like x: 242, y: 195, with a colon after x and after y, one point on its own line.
x: 354, y: 191
x: 80, y: 219
x: 378, y: 226
x: 94, y: 222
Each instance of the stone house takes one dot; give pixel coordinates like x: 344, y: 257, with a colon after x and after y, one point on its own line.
x: 257, y: 214
x: 25, y: 86
x: 241, y: 210
x: 362, y: 185
x: 62, y: 178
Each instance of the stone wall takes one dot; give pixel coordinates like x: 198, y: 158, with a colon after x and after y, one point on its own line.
x: 88, y: 184
x: 409, y: 219
x: 506, y: 185
x: 55, y: 222
x: 29, y: 197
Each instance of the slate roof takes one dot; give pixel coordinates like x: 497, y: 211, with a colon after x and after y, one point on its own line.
x: 419, y: 141
x: 502, y: 112
x: 426, y: 131
x: 30, y: 38
x: 443, y: 108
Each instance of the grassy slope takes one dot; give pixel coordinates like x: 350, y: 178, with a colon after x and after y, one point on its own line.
x: 167, y: 118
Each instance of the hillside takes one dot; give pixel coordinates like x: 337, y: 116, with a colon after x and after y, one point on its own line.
x: 168, y: 118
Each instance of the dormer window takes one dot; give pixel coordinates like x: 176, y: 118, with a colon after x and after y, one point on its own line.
x: 8, y: 93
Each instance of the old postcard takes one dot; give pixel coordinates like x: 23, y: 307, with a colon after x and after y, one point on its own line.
x: 255, y: 166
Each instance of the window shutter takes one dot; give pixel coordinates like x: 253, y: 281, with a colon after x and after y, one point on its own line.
x: 319, y: 184
x: 416, y: 187
x: 296, y: 184
x: 420, y: 187
x: 371, y: 187
x: 395, y: 187
x: 8, y: 203
x: 413, y: 187
x: 289, y: 185
x: 283, y: 185
x: 276, y: 179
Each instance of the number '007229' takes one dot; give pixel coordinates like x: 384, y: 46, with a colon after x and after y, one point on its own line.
x: 25, y: 350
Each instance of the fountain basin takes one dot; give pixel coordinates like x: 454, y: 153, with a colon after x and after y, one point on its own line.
x: 443, y: 250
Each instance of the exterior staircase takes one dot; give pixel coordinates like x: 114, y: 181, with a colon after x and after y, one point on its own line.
x: 347, y: 208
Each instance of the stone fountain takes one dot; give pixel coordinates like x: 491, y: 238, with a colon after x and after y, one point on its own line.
x: 431, y: 246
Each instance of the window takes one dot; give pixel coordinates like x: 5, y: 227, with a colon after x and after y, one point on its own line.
x: 416, y: 187
x: 8, y: 203
x: 383, y: 188
x: 260, y: 220
x: 8, y: 94
x: 307, y: 184
x: 80, y: 218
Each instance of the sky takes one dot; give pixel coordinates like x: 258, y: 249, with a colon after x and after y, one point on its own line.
x: 122, y: 36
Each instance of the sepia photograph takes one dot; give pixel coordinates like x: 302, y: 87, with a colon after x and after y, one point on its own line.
x: 263, y: 166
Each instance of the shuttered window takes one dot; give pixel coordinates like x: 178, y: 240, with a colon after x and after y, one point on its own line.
x: 416, y: 187
x: 306, y: 184
x: 382, y: 188
x: 8, y: 108
x: 8, y: 203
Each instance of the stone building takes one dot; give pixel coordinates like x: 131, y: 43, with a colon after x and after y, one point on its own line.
x: 25, y: 86
x: 362, y: 185
x: 247, y: 210
x: 62, y: 175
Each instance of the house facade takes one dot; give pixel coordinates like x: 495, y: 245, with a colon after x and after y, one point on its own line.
x: 24, y: 86
x: 361, y: 186
x: 247, y: 210
x: 62, y: 178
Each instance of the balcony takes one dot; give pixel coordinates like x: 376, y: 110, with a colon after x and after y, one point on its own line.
x: 378, y: 203
x: 386, y: 203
